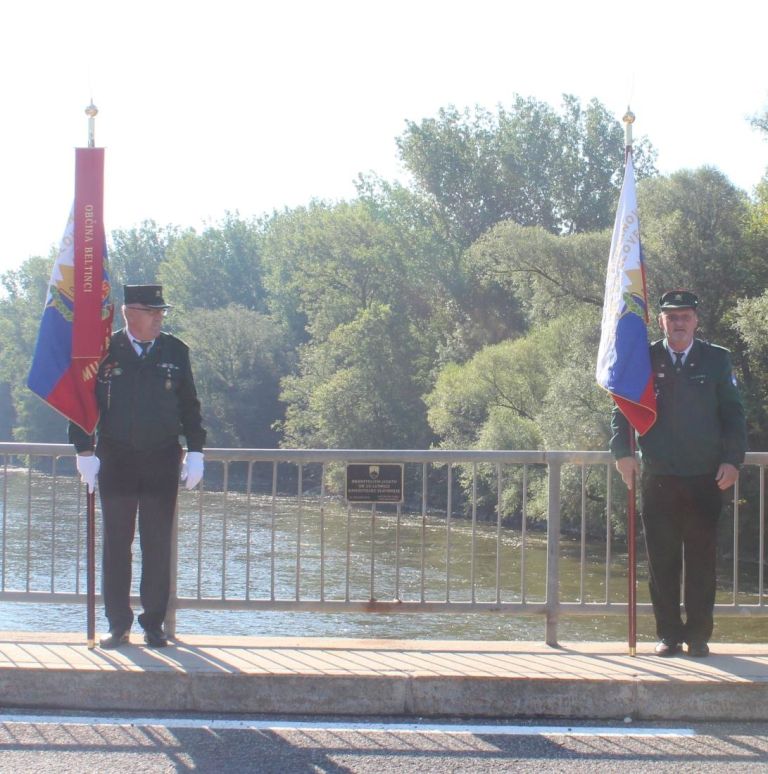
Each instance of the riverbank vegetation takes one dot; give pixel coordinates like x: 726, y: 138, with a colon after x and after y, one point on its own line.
x: 460, y: 309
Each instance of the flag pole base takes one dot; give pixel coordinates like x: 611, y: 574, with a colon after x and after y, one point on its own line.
x: 91, y: 644
x: 633, y: 651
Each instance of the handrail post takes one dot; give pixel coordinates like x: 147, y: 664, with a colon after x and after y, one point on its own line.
x: 553, y: 553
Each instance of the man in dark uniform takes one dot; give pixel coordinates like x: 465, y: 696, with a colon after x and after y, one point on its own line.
x: 690, y: 456
x: 147, y: 399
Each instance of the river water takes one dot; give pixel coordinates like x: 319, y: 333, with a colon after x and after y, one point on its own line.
x: 232, y: 544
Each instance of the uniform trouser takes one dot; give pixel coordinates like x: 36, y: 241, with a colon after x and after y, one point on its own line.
x: 146, y: 481
x: 680, y: 515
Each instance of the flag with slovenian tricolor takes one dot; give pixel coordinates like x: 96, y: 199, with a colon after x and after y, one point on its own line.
x: 623, y: 360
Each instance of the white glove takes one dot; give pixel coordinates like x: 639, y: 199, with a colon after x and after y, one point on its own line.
x: 192, y: 469
x: 88, y: 467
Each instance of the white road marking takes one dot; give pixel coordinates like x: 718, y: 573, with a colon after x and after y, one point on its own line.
x: 379, y: 727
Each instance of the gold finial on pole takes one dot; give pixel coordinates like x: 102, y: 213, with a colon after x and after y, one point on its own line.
x: 628, y: 119
x: 91, y: 111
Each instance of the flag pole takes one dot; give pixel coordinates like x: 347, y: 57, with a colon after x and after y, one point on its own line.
x: 91, y: 111
x: 629, y: 118
x: 76, y: 325
x: 91, y: 567
x: 632, y: 557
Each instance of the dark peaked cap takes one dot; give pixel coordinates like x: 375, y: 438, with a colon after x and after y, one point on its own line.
x: 148, y: 295
x: 678, y: 299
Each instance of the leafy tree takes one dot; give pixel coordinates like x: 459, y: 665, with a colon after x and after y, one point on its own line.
x: 695, y: 232
x: 760, y: 121
x: 491, y: 401
x: 136, y: 254
x: 326, y: 263
x: 219, y: 267
x: 757, y: 223
x: 546, y: 274
x: 454, y: 315
x: 535, y: 392
x: 546, y: 381
x: 461, y: 405
x: 239, y: 356
x: 589, y: 173
x: 432, y: 262
x: 527, y: 164
x: 750, y: 320
x: 357, y: 389
x: 575, y: 412
x: 7, y: 411
x: 693, y: 227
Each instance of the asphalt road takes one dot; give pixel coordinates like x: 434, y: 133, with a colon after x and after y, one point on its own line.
x: 78, y: 742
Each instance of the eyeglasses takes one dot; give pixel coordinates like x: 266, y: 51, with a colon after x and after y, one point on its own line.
x: 149, y: 310
x: 685, y: 317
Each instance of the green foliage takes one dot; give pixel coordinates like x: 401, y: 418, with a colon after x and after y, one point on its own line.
x: 455, y: 314
x: 219, y: 267
x: 328, y: 264
x: 462, y: 309
x: 491, y: 402
x: 693, y: 232
x: 135, y: 255
x: 528, y: 164
x: 760, y: 121
x: 750, y: 320
x: 356, y: 388
x: 575, y: 412
x: 239, y: 356
x: 547, y: 275
x: 535, y: 392
x: 325, y: 264
x: 757, y: 222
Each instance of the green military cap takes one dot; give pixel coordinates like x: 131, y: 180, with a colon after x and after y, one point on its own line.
x: 678, y: 299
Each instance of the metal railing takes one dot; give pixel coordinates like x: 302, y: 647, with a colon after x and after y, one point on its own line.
x: 271, y: 533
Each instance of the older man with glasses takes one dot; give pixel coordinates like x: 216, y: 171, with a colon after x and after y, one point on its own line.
x: 690, y: 457
x: 147, y: 399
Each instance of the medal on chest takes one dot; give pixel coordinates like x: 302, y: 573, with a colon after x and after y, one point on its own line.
x: 169, y: 368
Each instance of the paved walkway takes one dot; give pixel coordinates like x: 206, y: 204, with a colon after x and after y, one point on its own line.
x: 384, y: 677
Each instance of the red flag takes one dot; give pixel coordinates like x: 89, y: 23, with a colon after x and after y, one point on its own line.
x: 77, y: 319
x: 87, y: 333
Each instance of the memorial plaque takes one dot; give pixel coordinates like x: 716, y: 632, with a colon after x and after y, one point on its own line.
x: 375, y: 482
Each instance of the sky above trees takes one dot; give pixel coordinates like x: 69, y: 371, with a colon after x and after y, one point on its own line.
x: 250, y: 107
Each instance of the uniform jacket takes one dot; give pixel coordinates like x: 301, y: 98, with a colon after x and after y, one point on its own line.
x: 700, y: 422
x: 145, y: 403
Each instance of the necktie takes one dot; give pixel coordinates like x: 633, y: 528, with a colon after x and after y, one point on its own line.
x: 144, y: 347
x: 679, y: 360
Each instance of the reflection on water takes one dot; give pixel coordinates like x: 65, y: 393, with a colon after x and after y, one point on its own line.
x: 242, y: 547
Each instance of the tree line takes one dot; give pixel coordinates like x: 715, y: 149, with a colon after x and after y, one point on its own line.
x: 461, y: 310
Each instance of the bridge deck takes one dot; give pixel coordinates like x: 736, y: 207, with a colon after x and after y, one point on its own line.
x: 419, y: 678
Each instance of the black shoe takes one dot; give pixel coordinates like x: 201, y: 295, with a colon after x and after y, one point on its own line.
x: 114, y: 640
x: 698, y: 649
x: 155, y: 637
x: 667, y: 648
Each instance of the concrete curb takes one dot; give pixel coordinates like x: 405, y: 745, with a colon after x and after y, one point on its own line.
x: 384, y: 677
